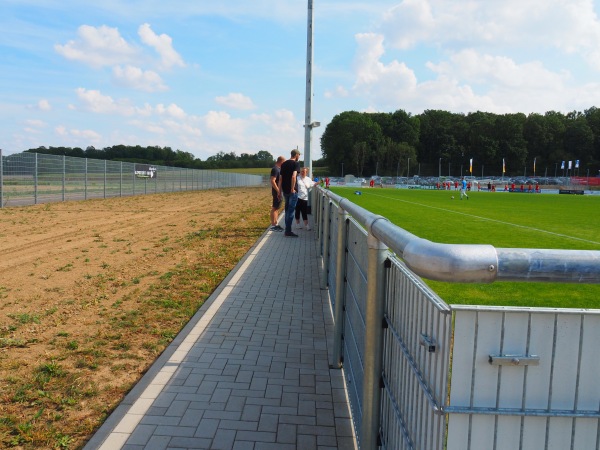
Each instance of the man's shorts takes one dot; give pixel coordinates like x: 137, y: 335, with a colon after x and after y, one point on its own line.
x: 276, y: 202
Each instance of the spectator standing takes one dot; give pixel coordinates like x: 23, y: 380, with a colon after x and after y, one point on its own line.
x: 288, y: 189
x: 275, y: 174
x: 304, y: 184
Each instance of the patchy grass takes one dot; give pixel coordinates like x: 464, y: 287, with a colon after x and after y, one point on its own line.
x: 76, y: 335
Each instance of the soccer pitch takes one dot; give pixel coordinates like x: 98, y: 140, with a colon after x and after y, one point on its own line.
x: 501, y: 219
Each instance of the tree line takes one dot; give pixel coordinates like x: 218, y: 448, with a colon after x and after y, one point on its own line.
x: 164, y: 156
x: 394, y: 143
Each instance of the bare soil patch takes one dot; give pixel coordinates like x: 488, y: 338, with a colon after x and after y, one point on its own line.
x: 92, y: 292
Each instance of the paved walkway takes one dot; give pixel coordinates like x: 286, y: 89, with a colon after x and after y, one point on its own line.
x: 250, y: 370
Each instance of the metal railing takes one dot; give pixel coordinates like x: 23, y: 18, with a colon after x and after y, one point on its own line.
x: 31, y: 178
x: 422, y: 374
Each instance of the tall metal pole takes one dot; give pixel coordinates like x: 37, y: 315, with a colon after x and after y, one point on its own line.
x: 308, y: 125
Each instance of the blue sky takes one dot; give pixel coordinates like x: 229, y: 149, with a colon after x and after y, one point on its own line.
x: 220, y: 76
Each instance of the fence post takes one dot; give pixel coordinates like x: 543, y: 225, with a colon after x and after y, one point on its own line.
x: 376, y: 274
x: 104, y: 178
x: 86, y: 179
x: 35, y: 181
x: 1, y: 180
x: 121, y: 180
x: 325, y: 268
x: 340, y: 289
x: 64, y: 178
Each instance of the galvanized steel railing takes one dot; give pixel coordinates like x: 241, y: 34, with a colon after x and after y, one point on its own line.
x: 422, y: 374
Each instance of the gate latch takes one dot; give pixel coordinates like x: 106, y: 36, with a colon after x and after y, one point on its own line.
x: 428, y: 342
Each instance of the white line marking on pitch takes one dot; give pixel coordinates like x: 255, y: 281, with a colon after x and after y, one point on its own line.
x: 490, y: 220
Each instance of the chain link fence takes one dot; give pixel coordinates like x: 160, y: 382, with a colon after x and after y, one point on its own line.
x: 31, y: 178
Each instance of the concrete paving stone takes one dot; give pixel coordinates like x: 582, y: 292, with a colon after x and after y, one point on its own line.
x: 306, y: 442
x: 346, y: 443
x: 177, y: 408
x: 206, y: 387
x: 262, y: 401
x: 324, y: 405
x: 298, y: 419
x: 223, y: 415
x: 186, y: 443
x: 168, y: 430
x: 243, y: 445
x: 156, y: 411
x: 286, y: 433
x: 344, y: 427
x: 158, y: 442
x: 307, y: 408
x: 274, y: 391
x: 330, y: 441
x: 279, y: 410
x: 182, y: 389
x: 274, y: 446
x: 268, y: 422
x: 160, y: 420
x: 223, y: 440
x: 307, y: 380
x: 341, y: 410
x: 192, y: 418
x: 235, y: 403
x: 141, y: 435
x: 164, y: 399
x: 325, y: 417
x: 206, y: 428
x: 244, y: 376
x: 251, y: 413
x: 316, y: 430
x: 206, y: 406
x: 258, y: 384
x: 256, y: 436
x: 288, y: 398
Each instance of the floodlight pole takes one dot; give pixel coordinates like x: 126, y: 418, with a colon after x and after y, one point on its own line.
x: 308, y: 123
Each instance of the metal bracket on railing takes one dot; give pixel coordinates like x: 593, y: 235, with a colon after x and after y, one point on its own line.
x: 514, y: 360
x: 428, y: 342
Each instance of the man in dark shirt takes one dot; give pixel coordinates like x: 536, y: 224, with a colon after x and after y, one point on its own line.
x: 275, y: 193
x: 288, y: 189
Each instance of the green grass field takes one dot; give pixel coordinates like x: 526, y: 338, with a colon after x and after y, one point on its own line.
x: 504, y: 220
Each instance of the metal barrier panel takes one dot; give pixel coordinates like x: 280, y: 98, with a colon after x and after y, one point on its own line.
x: 354, y: 317
x: 524, y: 379
x: 333, y: 250
x: 415, y: 363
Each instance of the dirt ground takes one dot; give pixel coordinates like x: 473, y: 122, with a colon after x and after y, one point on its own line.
x: 91, y: 292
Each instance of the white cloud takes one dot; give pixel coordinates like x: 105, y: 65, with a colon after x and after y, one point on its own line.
x: 571, y: 27
x: 136, y: 78
x: 221, y: 123
x: 236, y: 101
x: 163, y: 45
x: 35, y: 123
x: 98, y: 47
x: 95, y: 101
x: 44, y: 105
x: 172, y: 110
x: 75, y: 135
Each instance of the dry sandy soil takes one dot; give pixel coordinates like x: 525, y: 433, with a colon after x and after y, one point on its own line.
x: 91, y: 292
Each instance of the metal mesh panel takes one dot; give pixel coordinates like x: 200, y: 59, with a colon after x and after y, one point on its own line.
x: 18, y: 179
x: 30, y: 178
x: 354, y: 318
x: 415, y: 363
